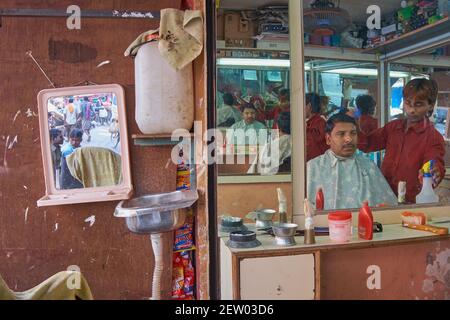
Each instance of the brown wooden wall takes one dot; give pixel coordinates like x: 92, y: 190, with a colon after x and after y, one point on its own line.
x: 116, y: 263
x: 407, y: 272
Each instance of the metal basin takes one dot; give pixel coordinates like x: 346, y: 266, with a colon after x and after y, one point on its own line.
x: 156, y: 213
x: 263, y: 217
x: 284, y: 234
x: 285, y: 229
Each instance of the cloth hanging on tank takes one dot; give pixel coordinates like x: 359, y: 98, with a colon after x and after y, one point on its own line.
x: 180, y: 37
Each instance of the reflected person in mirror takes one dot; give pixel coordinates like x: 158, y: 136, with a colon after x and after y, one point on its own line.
x: 67, y: 181
x: 410, y: 142
x: 71, y: 112
x: 366, y: 105
x: 315, y: 127
x: 284, y: 105
x: 346, y: 178
x: 246, y: 131
x: 56, y: 140
x: 85, y: 115
x: 275, y: 156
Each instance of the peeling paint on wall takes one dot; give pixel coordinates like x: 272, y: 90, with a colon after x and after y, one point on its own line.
x: 14, y: 142
x: 437, y: 271
x: 101, y: 64
x: 30, y: 113
x: 91, y: 220
x: 168, y: 163
x: 17, y: 114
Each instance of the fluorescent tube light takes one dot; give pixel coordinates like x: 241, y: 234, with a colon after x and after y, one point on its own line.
x: 253, y: 62
x: 367, y: 72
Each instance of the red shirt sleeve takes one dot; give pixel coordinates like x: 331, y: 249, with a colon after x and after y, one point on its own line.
x: 368, y: 124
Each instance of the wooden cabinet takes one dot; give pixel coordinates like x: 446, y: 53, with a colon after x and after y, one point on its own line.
x: 258, y: 277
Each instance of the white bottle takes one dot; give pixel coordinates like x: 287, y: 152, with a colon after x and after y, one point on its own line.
x: 164, y: 96
x: 427, y: 194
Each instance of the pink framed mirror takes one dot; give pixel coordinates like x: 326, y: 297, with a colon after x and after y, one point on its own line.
x: 84, y: 144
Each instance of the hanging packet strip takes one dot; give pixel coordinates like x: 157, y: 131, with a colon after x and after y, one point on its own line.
x: 184, y: 237
x: 177, y: 277
x: 189, y: 274
x: 183, y: 172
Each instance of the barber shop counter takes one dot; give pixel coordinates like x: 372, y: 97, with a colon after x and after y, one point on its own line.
x: 399, y: 263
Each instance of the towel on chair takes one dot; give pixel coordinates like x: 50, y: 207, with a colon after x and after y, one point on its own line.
x: 95, y: 167
x: 180, y: 37
x: 65, y: 285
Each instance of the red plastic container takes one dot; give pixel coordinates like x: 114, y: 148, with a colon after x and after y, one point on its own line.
x: 340, y: 224
x: 365, y: 222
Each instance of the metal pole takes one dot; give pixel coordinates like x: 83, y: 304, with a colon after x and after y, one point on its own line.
x: 297, y: 106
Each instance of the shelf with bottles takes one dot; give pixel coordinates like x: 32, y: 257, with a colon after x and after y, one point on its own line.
x: 419, y: 38
x: 311, y: 50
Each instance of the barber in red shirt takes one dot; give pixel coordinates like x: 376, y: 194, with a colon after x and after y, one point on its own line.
x: 410, y: 142
x: 366, y: 105
x: 284, y: 105
x: 315, y: 128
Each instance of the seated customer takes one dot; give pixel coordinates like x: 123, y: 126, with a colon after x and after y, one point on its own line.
x: 246, y: 131
x: 346, y: 178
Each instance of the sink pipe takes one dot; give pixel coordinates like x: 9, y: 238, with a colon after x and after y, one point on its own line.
x: 158, y: 215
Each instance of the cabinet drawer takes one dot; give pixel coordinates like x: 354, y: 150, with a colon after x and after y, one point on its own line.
x: 272, y: 278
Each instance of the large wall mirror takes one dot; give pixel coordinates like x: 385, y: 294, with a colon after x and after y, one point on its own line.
x: 84, y: 144
x: 252, y: 111
x: 376, y: 169
x: 334, y: 88
x: 351, y: 96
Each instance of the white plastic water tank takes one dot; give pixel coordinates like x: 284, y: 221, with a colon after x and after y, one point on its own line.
x: 164, y: 96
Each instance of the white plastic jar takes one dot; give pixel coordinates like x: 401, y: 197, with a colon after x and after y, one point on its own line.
x: 340, y: 226
x: 164, y: 96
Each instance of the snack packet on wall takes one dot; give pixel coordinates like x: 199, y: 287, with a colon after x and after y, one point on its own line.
x: 184, y: 237
x: 177, y: 277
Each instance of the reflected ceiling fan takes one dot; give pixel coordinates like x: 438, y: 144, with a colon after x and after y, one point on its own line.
x: 325, y: 18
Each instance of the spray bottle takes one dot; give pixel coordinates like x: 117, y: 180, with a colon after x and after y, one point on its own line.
x: 427, y: 194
